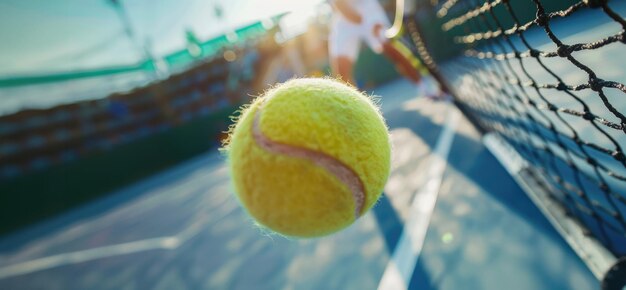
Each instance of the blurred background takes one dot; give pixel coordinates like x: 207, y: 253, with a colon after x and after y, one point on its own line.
x: 111, y: 115
x: 98, y: 94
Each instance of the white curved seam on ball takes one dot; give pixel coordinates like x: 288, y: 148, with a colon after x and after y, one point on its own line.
x: 344, y: 173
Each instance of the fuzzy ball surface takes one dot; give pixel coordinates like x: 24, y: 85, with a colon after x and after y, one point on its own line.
x: 309, y: 157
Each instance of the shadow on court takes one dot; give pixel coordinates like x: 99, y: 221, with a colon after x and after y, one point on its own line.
x: 388, y: 221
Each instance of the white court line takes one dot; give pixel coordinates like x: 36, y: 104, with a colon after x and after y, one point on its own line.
x: 164, y: 243
x: 88, y: 255
x: 397, y: 275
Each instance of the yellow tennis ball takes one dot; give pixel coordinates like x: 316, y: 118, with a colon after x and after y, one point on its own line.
x: 309, y: 157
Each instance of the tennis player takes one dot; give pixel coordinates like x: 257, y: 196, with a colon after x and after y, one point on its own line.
x: 356, y: 21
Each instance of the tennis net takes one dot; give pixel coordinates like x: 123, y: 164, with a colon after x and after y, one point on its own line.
x: 544, y: 81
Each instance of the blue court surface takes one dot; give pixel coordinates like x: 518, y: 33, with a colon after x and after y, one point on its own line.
x: 183, y: 228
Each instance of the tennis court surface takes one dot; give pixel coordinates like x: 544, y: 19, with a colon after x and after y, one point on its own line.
x: 183, y: 228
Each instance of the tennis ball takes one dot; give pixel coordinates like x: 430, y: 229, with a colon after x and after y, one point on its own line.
x: 309, y: 157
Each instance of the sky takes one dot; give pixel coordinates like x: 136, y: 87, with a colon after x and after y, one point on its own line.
x: 41, y: 36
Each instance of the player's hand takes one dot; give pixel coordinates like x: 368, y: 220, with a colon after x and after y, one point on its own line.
x: 377, y: 29
x: 354, y: 18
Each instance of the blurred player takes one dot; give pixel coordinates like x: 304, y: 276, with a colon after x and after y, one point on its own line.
x: 365, y: 20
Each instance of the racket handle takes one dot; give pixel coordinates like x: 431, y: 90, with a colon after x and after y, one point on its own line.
x: 395, y: 29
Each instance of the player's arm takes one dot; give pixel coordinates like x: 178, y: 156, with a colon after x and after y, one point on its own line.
x: 347, y: 10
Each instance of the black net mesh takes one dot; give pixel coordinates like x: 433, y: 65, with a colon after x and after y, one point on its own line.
x: 547, y: 76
